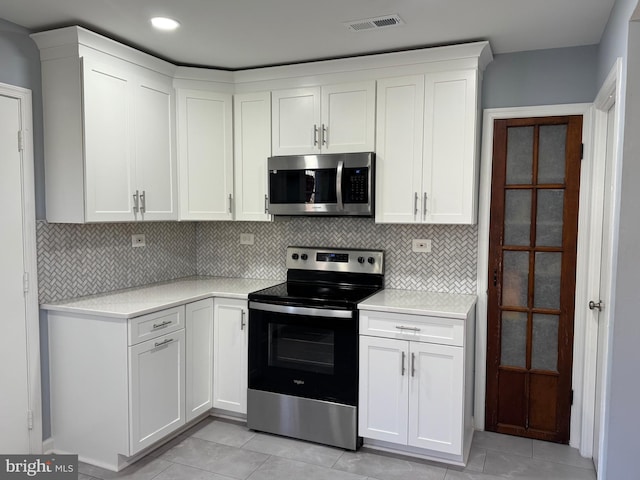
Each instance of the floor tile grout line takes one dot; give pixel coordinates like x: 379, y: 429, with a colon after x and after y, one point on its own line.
x: 259, y: 466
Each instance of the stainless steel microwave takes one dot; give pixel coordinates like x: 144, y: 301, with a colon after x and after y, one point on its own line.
x: 324, y: 184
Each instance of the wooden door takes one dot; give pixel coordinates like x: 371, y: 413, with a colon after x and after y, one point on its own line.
x: 534, y: 223
x: 296, y: 121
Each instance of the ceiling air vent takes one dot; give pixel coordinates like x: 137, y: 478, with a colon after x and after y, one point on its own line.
x: 372, y: 23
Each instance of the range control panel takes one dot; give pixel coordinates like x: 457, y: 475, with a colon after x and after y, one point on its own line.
x: 336, y: 260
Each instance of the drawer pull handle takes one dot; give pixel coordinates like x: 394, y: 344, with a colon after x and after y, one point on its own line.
x: 164, y: 342
x: 162, y: 325
x: 402, y: 366
x: 413, y: 329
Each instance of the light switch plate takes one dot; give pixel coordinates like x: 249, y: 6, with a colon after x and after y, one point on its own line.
x: 138, y: 240
x: 247, y: 239
x: 421, y: 245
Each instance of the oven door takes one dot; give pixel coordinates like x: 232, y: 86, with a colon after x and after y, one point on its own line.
x: 304, y: 352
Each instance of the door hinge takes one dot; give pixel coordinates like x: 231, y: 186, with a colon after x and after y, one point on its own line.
x: 25, y: 282
x: 30, y: 419
x: 571, y: 398
x: 582, y: 151
x: 20, y: 141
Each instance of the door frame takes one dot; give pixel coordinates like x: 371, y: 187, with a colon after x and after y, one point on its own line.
x: 32, y: 326
x: 584, y: 220
x: 608, y: 96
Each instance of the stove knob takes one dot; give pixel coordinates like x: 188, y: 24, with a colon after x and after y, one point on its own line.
x: 294, y: 256
x: 371, y: 260
x: 304, y: 256
x: 360, y: 259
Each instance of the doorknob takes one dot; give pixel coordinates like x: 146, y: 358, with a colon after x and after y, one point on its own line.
x: 595, y: 305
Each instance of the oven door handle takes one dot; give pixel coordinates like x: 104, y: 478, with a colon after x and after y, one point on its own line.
x: 311, y: 312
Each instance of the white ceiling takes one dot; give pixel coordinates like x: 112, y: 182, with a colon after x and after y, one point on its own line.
x: 237, y: 34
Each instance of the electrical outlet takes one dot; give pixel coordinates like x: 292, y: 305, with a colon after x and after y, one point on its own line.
x: 421, y: 245
x: 247, y: 239
x: 138, y: 240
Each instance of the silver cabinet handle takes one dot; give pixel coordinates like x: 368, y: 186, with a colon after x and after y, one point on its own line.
x: 162, y: 325
x: 164, y: 342
x: 266, y: 204
x: 415, y: 204
x: 315, y: 135
x: 402, y: 327
x: 402, y: 364
x: 230, y: 201
x: 242, y: 322
x: 136, y: 205
x: 424, y: 207
x: 324, y: 135
x: 143, y: 202
x: 413, y: 364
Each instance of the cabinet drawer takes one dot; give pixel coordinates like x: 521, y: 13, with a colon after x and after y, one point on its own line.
x: 146, y: 327
x: 418, y: 328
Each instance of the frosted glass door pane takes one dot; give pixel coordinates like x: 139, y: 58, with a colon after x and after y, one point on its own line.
x: 549, y: 218
x: 513, y: 350
x: 515, y: 281
x: 517, y: 217
x: 547, y: 280
x: 551, y: 157
x: 544, y: 355
x: 519, y: 155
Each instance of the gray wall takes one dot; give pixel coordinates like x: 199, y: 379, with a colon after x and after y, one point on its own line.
x: 541, y: 77
x: 20, y: 60
x: 622, y: 39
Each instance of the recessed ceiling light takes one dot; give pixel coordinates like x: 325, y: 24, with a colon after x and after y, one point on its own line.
x: 164, y: 23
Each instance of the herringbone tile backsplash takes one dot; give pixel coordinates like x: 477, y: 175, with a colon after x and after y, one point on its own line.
x: 77, y: 260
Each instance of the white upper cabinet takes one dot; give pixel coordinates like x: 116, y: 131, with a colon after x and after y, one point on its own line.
x: 205, y: 155
x: 252, y: 147
x: 427, y: 139
x: 108, y: 135
x: 328, y: 119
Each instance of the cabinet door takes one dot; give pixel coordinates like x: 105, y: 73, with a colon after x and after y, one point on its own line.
x: 155, y: 158
x: 383, y: 389
x: 230, y: 322
x: 108, y: 141
x: 205, y: 155
x: 348, y: 117
x: 296, y: 121
x: 450, y: 144
x: 252, y: 142
x: 156, y: 389
x: 199, y: 351
x: 436, y: 397
x: 399, y: 135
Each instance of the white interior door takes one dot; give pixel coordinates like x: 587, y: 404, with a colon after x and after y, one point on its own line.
x: 14, y: 400
x: 605, y: 285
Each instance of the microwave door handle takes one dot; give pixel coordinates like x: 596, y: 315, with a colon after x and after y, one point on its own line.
x: 339, y: 185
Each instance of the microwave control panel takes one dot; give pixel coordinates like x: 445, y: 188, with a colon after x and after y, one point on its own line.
x: 356, y: 189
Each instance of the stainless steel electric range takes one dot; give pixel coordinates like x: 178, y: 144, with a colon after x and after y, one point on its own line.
x: 303, y: 345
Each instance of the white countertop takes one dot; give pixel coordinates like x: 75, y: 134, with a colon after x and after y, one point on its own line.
x: 451, y: 305
x: 133, y: 302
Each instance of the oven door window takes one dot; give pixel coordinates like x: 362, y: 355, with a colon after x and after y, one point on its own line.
x: 304, y: 348
x: 306, y: 356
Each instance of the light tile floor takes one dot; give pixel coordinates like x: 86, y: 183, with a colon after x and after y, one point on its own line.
x: 217, y: 449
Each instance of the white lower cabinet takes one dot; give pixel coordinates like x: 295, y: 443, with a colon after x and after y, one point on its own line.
x: 156, y: 389
x: 230, y: 355
x: 412, y: 391
x: 199, y: 331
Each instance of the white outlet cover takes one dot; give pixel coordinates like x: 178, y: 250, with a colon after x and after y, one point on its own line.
x: 247, y: 239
